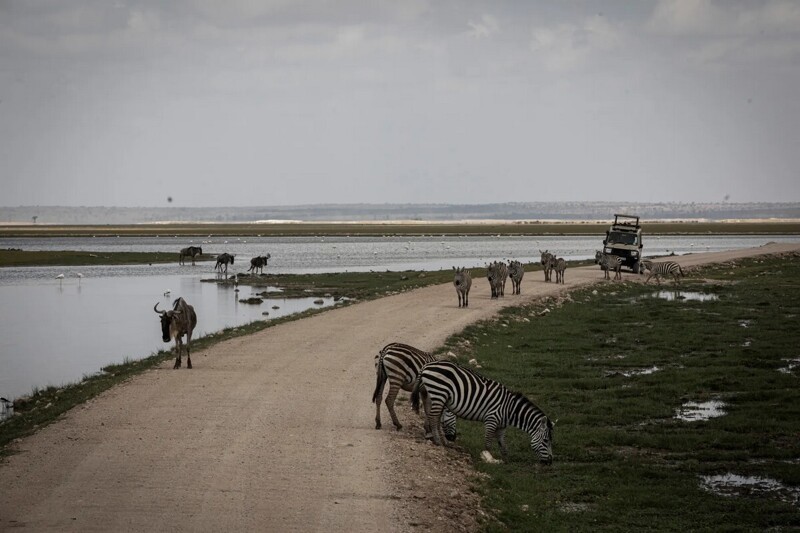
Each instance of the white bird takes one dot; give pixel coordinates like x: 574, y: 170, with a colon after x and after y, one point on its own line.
x: 60, y: 276
x: 80, y: 276
x: 166, y: 292
x: 60, y: 279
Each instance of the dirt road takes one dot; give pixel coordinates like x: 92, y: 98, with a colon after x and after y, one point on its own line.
x: 270, y: 432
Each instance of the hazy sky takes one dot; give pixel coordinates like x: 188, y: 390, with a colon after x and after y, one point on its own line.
x: 250, y: 102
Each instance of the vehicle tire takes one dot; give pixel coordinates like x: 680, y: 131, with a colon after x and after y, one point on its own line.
x: 637, y: 267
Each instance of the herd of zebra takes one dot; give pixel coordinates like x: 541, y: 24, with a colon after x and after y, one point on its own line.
x: 447, y: 390
x: 223, y: 260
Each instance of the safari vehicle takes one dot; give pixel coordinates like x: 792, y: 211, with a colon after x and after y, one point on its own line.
x: 624, y: 240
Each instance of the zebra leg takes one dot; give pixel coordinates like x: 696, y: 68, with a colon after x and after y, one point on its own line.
x: 435, y: 422
x: 390, y: 398
x: 501, y: 440
x: 490, y: 433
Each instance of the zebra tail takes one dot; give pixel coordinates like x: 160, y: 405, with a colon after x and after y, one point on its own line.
x: 381, y: 381
x: 415, y: 393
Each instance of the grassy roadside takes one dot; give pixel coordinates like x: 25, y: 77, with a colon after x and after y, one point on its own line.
x: 624, y: 462
x: 378, y: 229
x: 20, y: 258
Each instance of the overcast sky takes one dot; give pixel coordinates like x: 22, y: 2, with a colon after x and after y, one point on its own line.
x: 276, y: 102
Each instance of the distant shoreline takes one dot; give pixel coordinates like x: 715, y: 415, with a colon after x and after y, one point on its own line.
x: 399, y: 227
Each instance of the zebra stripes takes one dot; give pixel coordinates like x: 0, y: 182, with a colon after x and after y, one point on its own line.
x: 547, y: 264
x: 497, y: 274
x: 474, y: 397
x: 662, y: 268
x: 560, y: 267
x: 515, y: 272
x: 609, y: 262
x: 399, y: 364
x: 462, y: 280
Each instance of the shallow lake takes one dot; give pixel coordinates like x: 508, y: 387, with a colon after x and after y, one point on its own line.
x: 54, y: 332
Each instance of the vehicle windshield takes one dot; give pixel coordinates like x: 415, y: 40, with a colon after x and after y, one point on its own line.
x: 618, y: 237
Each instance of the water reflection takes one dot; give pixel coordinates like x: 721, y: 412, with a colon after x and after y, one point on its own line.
x: 692, y: 411
x: 54, y: 332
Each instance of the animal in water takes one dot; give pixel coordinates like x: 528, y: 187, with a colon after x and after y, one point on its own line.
x: 399, y: 364
x: 472, y: 396
x: 222, y: 262
x: 179, y: 321
x: 190, y: 251
x: 462, y: 280
x: 258, y: 263
x: 662, y: 268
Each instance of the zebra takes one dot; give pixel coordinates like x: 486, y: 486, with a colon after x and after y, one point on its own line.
x: 515, y: 272
x: 497, y: 274
x: 662, y: 268
x: 547, y: 264
x: 190, y: 251
x: 560, y: 267
x: 222, y: 261
x: 609, y: 262
x: 463, y: 282
x: 399, y: 364
x: 474, y: 397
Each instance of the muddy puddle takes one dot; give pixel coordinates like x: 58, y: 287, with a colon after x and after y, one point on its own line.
x: 699, y: 411
x: 730, y: 485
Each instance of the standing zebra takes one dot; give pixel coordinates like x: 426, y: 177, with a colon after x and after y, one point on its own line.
x: 222, y: 261
x: 474, y: 397
x: 191, y: 251
x: 515, y: 272
x: 547, y: 264
x: 662, y: 268
x: 463, y: 282
x: 399, y: 364
x: 497, y: 274
x: 560, y: 267
x: 609, y: 262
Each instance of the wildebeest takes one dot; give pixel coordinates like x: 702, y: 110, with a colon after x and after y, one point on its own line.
x: 191, y: 251
x: 222, y: 261
x: 177, y: 323
x: 259, y: 262
x: 462, y: 280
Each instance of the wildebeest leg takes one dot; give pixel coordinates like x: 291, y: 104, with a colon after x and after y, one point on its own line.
x: 177, y: 352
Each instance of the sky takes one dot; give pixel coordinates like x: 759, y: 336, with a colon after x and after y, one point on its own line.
x: 287, y: 102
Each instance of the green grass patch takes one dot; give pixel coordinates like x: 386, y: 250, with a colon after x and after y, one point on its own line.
x: 20, y: 258
x: 623, y: 461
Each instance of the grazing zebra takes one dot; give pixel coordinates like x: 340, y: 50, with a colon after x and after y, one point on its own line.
x: 609, y: 262
x: 463, y: 282
x: 515, y: 272
x: 497, y: 274
x: 662, y: 268
x: 474, y: 397
x: 399, y: 364
x: 191, y: 251
x: 560, y: 266
x: 222, y: 261
x: 547, y: 264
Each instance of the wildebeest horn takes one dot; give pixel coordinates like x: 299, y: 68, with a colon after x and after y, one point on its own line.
x: 155, y: 308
